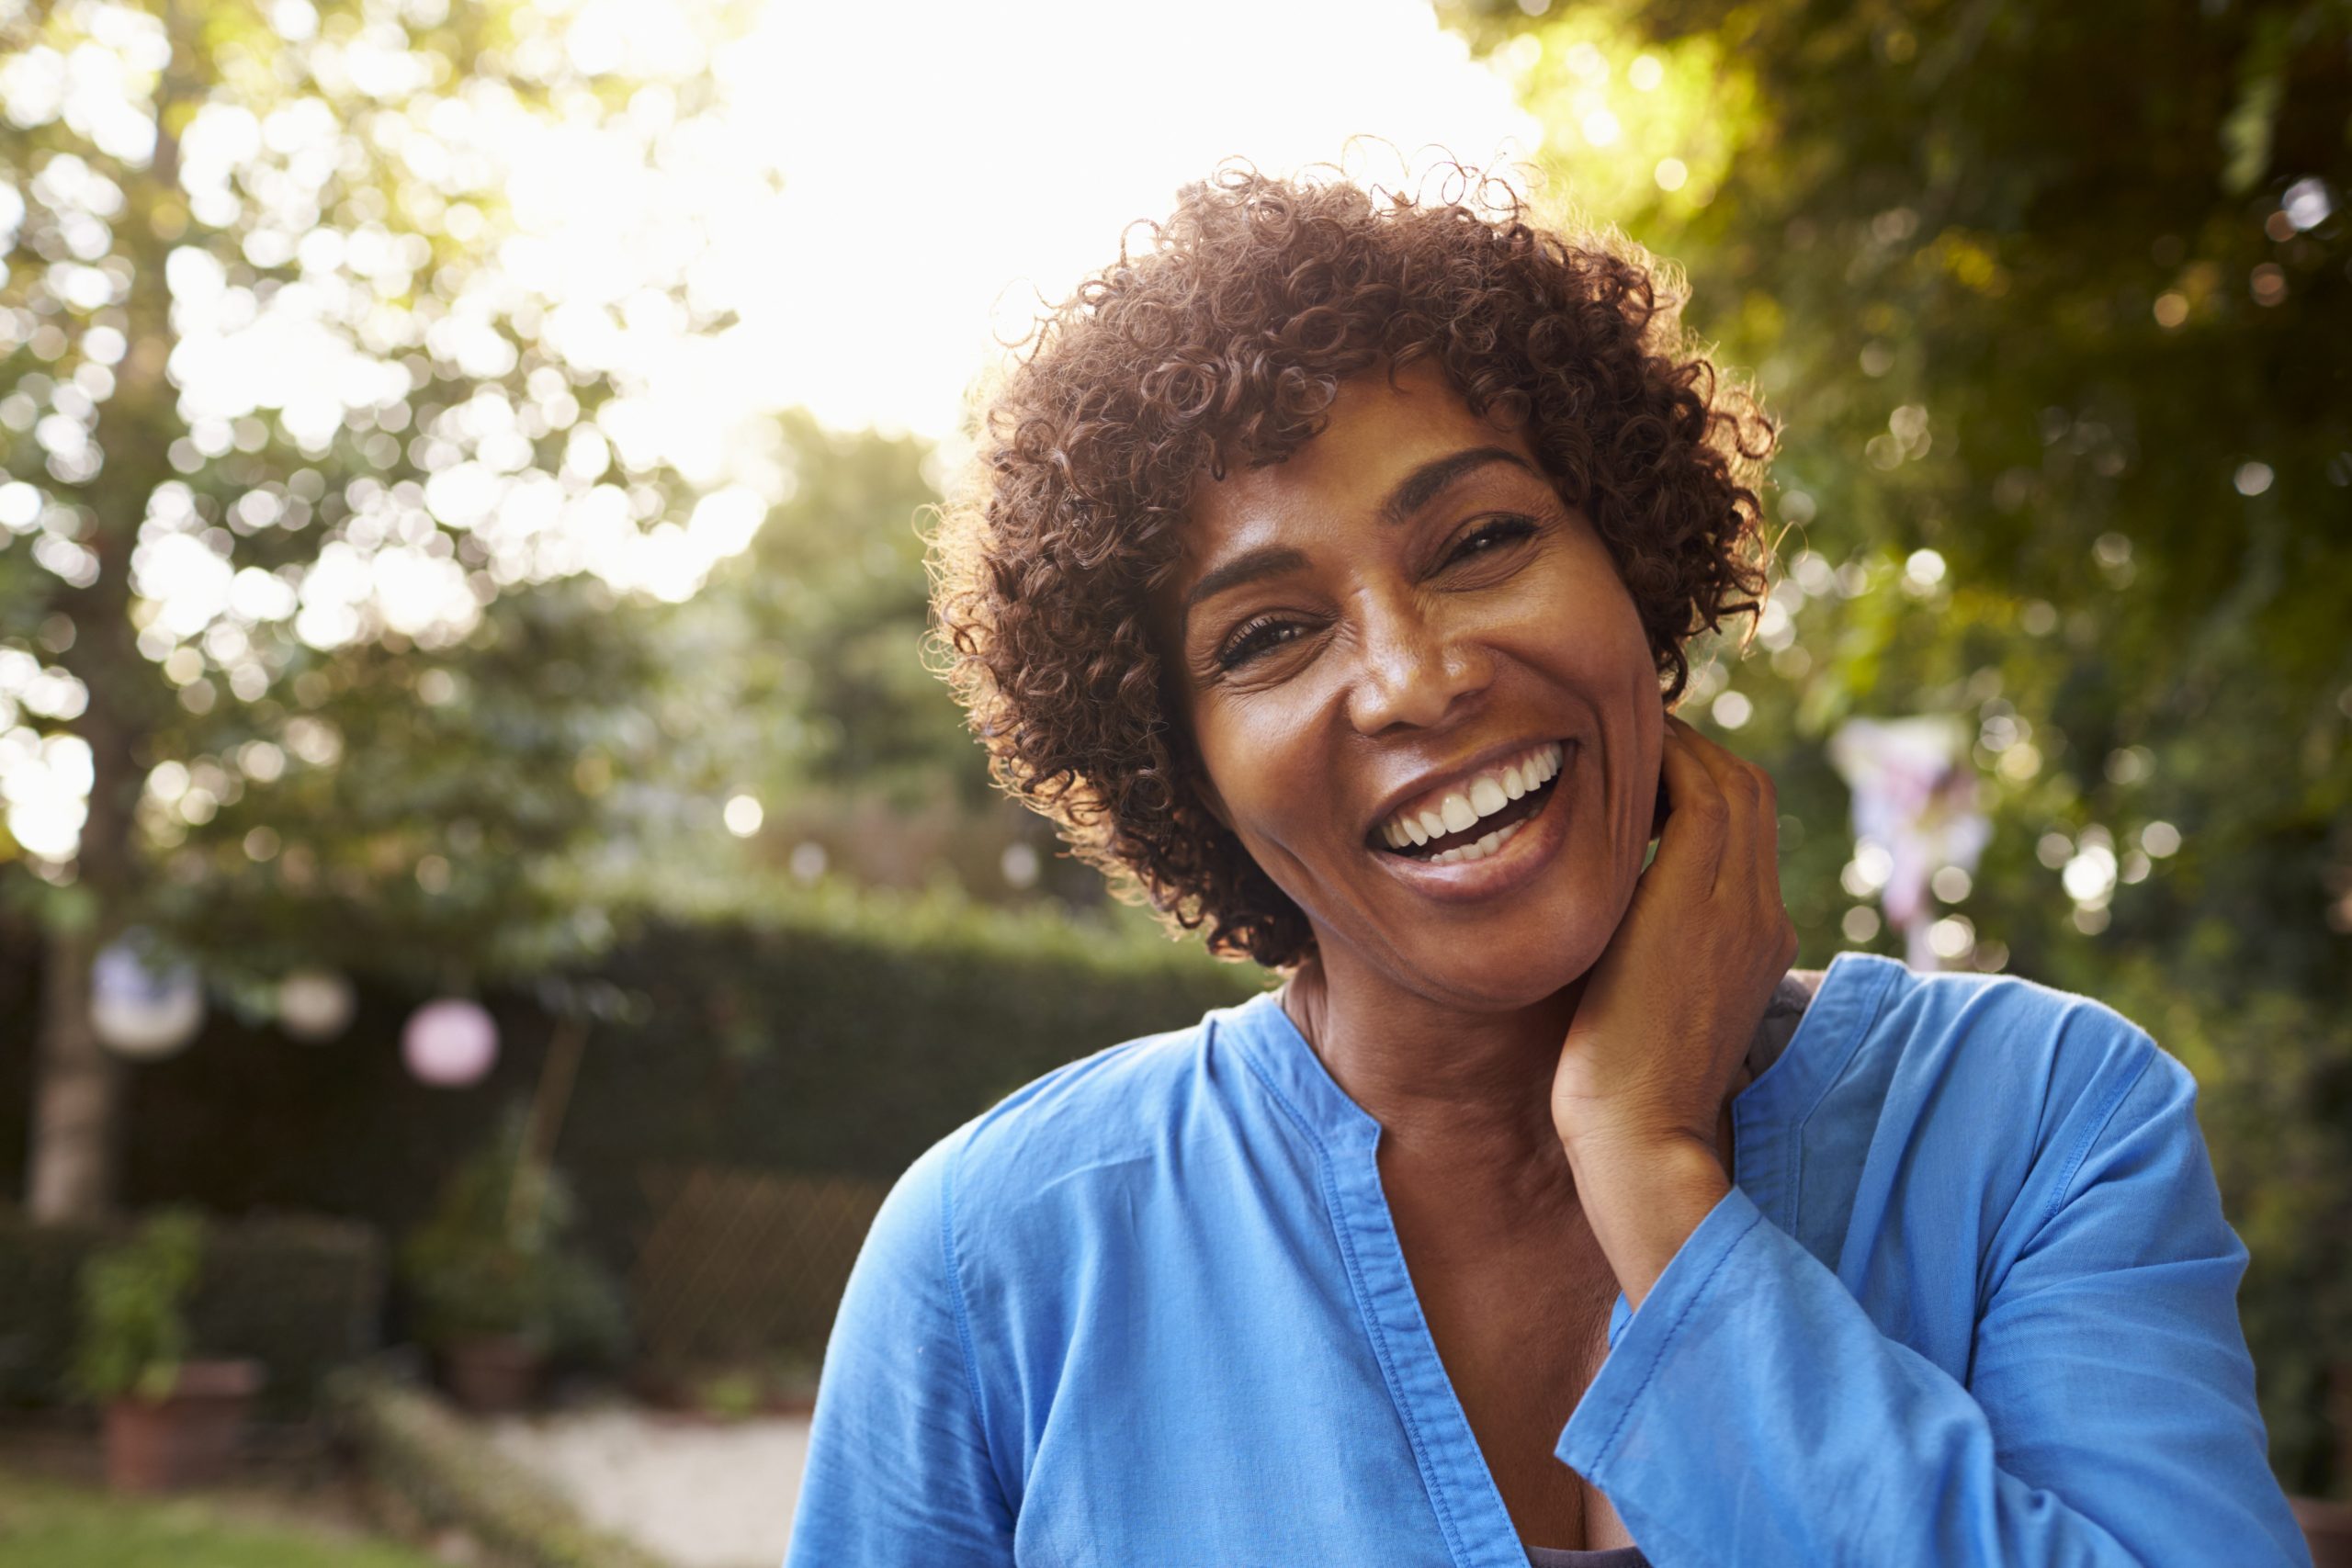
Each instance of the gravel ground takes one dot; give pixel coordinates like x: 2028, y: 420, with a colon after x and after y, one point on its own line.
x: 701, y: 1495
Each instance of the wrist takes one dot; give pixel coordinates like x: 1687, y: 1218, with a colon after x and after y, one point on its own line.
x: 1618, y: 1147
x: 1643, y: 1199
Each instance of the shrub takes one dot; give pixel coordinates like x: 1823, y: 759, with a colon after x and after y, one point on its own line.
x: 134, y: 1330
x: 495, y: 1259
x: 300, y: 1294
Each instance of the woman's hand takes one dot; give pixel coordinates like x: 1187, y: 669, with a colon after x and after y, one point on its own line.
x: 1669, y: 1011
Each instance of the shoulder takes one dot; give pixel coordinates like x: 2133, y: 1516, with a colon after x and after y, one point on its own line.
x: 2031, y: 1044
x: 2014, y: 1078
x: 1063, y: 1136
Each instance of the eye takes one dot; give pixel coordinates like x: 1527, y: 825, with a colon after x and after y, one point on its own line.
x: 1490, y: 536
x: 1255, y: 637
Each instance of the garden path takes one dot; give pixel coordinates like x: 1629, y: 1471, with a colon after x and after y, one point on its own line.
x: 700, y: 1492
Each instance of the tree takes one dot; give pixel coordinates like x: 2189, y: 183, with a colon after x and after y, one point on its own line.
x: 335, y: 519
x: 802, y: 656
x: 2049, y: 300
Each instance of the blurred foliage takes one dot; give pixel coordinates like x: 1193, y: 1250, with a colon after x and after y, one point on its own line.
x: 2058, y: 297
x: 804, y: 650
x: 393, y: 671
x: 294, y: 463
x: 795, y: 676
x: 452, y: 1475
x: 134, y: 1329
x: 300, y: 1296
x: 495, y: 1257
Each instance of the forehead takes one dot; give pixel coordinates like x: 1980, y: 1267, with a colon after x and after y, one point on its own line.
x: 1378, y: 433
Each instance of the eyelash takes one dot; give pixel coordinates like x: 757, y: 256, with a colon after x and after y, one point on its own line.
x: 1247, y: 643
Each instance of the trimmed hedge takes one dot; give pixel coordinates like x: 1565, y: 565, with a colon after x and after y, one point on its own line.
x: 824, y: 1032
x: 301, y: 1296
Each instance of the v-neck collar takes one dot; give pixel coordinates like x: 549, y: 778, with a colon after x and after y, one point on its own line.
x: 1767, y: 1117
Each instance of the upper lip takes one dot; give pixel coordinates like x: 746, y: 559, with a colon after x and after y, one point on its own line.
x: 1463, y: 771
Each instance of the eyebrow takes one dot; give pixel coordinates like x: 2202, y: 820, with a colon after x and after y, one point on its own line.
x: 1431, y: 479
x: 1412, y: 492
x: 1267, y: 561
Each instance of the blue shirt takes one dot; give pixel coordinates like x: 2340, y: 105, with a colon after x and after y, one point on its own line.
x: 1972, y: 1301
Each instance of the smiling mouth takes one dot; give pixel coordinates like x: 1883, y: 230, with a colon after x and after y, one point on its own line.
x: 1482, y: 838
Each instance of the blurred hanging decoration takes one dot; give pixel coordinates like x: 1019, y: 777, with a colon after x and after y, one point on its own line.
x: 315, y: 1005
x: 449, y: 1044
x: 142, y: 1004
x: 1914, y: 803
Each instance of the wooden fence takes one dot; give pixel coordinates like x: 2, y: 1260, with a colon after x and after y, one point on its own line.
x: 742, y: 1267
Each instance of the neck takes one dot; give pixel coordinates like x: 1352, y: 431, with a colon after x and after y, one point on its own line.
x: 1462, y: 1098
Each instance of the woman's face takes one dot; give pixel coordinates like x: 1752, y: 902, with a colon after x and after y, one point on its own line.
x: 1403, y: 622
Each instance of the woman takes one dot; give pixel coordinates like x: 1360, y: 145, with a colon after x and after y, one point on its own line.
x: 1326, y: 575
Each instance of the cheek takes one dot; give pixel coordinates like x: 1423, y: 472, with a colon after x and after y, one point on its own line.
x: 1580, y: 633
x: 1261, y: 766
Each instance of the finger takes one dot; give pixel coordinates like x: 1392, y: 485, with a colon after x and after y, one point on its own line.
x: 1711, y: 755
x: 1753, y: 827
x: 1756, y: 827
x: 1690, y: 849
x: 1768, y: 835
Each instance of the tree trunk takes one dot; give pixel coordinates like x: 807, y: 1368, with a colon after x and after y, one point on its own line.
x: 77, y: 1084
x: 71, y: 1173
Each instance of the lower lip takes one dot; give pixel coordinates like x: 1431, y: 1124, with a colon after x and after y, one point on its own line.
x: 1515, y: 863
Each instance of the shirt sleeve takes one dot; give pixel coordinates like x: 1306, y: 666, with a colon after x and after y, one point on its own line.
x: 1752, y: 1412
x: 899, y: 1472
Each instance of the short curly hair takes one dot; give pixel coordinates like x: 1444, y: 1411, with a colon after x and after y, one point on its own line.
x: 1223, y: 339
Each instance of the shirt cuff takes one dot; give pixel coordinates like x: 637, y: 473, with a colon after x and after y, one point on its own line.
x: 1593, y: 1432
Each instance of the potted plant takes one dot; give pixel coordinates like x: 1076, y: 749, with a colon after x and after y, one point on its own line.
x: 496, y: 1289
x: 170, y: 1420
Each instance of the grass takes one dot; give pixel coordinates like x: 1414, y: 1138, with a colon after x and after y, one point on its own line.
x: 47, y: 1524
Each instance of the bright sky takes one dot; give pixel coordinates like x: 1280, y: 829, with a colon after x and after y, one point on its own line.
x: 940, y: 171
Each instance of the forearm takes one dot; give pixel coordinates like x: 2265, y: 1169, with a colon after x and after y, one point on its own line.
x: 1643, y: 1201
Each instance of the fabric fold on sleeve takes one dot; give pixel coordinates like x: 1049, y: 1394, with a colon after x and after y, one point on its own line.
x: 1752, y: 1411
x: 899, y: 1469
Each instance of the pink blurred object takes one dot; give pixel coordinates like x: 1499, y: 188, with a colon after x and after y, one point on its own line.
x: 1914, y: 797
x: 449, y: 1044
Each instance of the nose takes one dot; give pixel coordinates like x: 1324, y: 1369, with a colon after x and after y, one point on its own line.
x: 1416, y: 668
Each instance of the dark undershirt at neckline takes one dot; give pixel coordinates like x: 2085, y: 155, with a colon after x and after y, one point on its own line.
x: 1563, y: 1557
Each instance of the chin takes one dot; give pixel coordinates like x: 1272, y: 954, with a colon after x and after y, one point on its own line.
x: 1501, y: 972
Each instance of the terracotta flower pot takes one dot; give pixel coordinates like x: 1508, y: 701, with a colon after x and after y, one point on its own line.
x: 2328, y: 1527
x: 491, y: 1373
x: 188, y: 1437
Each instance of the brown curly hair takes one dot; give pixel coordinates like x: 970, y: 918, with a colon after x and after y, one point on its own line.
x: 1223, y: 340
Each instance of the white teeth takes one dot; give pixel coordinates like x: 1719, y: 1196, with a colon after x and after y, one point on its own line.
x: 1483, y: 797
x: 1480, y: 849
